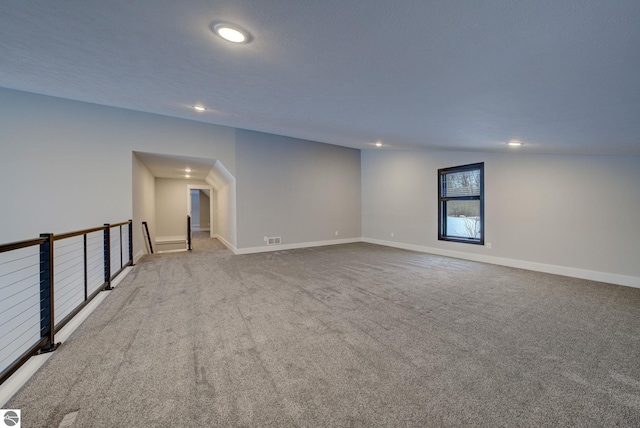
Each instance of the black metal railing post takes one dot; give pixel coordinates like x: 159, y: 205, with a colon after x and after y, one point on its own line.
x: 146, y: 229
x: 131, y: 241
x: 86, y: 268
x: 121, y: 253
x: 189, y: 232
x: 47, y: 317
x: 107, y: 256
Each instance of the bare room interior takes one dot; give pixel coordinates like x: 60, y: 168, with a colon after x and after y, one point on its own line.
x: 361, y: 213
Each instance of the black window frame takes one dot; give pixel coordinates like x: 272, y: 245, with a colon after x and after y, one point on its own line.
x: 442, y: 203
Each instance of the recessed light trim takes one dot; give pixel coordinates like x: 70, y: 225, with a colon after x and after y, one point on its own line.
x: 199, y: 108
x: 187, y: 176
x: 378, y: 144
x: 231, y: 32
x: 187, y: 170
x: 514, y: 143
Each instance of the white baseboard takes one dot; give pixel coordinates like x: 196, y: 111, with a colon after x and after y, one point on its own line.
x: 226, y: 243
x: 180, y: 250
x: 612, y: 278
x: 138, y: 256
x: 171, y: 239
x: 282, y: 247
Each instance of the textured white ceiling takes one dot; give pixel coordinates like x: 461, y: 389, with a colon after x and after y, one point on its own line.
x: 562, y: 75
x: 169, y: 166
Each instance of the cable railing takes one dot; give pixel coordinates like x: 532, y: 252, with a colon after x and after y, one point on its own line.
x: 189, y: 233
x: 46, y: 281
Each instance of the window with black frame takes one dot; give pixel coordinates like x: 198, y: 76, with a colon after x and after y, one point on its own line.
x: 461, y: 204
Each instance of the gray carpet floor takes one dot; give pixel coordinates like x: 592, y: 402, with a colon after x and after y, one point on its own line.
x: 353, y: 335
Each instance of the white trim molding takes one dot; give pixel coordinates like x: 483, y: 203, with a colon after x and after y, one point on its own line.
x: 138, y: 256
x: 226, y: 243
x: 282, y: 247
x: 612, y: 278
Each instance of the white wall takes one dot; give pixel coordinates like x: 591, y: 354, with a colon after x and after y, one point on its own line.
x: 299, y: 190
x: 171, y: 206
x: 574, y: 215
x: 204, y: 214
x: 225, y: 214
x: 67, y: 165
x: 224, y: 204
x: 195, y: 208
x: 144, y: 205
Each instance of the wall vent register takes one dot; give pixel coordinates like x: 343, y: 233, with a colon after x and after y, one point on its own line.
x: 274, y: 240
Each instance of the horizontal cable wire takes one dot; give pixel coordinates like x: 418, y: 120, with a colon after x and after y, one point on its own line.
x: 22, y: 334
x: 95, y: 240
x: 20, y: 313
x: 76, y: 288
x: 57, y: 272
x: 75, y: 253
x: 95, y: 267
x: 98, y: 275
x: 77, y: 259
x: 67, y: 290
x: 19, y: 347
x: 21, y: 291
x: 75, y: 275
x: 22, y: 258
x: 67, y: 306
x: 68, y: 295
x: 20, y: 280
x: 95, y: 279
x: 94, y: 254
x: 92, y: 258
x: 93, y: 287
x: 18, y: 270
x: 66, y: 309
x: 97, y: 252
x: 21, y: 301
x: 71, y: 289
x: 58, y: 278
x: 95, y: 244
x: 61, y: 246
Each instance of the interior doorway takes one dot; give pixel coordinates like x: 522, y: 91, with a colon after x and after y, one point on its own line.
x: 200, y: 206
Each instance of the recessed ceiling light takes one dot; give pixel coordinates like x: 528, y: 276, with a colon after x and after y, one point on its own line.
x: 514, y: 143
x: 231, y: 32
x: 199, y: 108
x: 187, y: 170
x: 187, y: 176
x: 378, y: 144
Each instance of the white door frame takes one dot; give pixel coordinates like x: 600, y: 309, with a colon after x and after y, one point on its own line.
x: 191, y: 187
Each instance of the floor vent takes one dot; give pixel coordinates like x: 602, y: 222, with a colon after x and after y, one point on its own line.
x: 274, y: 241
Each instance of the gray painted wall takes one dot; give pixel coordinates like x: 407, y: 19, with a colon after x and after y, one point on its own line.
x: 204, y: 214
x: 144, y: 206
x: 67, y: 165
x: 171, y: 206
x: 299, y: 190
x: 195, y: 208
x: 579, y: 212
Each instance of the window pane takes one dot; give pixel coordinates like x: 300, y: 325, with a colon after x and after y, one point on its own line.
x: 463, y: 219
x: 465, y: 183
